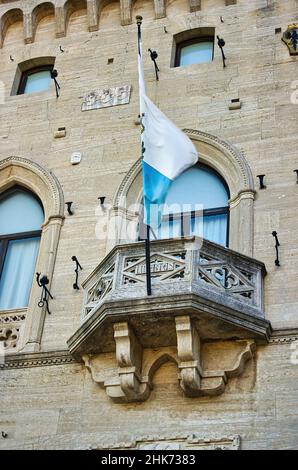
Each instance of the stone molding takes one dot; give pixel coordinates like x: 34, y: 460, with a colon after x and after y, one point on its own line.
x: 32, y: 13
x: 42, y: 359
x: 245, y: 179
x: 15, y: 170
x: 54, y: 207
x: 229, y: 162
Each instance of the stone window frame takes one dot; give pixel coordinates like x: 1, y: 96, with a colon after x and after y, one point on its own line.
x: 190, y: 36
x: 225, y: 159
x: 17, y: 171
x: 27, y: 73
x: 26, y: 68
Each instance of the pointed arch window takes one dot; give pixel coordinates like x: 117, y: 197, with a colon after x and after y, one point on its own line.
x: 21, y: 218
x: 197, y: 204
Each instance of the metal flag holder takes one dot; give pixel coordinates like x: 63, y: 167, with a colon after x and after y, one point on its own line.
x: 45, y: 293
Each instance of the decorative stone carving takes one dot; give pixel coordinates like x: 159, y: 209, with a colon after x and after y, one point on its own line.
x: 163, y: 266
x: 106, y: 97
x: 10, y: 326
x: 99, y: 290
x: 223, y: 276
x: 290, y: 38
x: 133, y: 382
x: 180, y: 441
x: 9, y: 337
x: 25, y: 361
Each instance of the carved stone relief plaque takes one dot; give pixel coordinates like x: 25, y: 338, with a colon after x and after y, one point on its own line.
x: 105, y: 98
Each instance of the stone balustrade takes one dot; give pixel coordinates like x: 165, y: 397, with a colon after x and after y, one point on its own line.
x: 221, y: 289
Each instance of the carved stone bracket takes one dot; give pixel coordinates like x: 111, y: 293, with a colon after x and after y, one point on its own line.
x: 193, y: 379
x: 133, y: 381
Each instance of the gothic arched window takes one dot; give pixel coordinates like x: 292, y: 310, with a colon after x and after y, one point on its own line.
x: 197, y: 204
x: 21, y: 218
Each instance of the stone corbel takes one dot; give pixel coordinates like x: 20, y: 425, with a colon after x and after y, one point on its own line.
x: 28, y: 28
x: 134, y: 377
x: 129, y: 359
x: 188, y: 349
x: 129, y: 386
x: 93, y: 14
x: 193, y: 379
x: 60, y: 22
x: 160, y: 9
x: 194, y: 5
x: 126, y: 12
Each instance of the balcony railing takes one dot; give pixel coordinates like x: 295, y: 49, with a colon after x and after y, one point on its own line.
x: 221, y: 288
x: 178, y: 267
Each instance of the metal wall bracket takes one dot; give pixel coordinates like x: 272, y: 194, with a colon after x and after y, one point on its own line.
x: 78, y: 266
x: 277, y: 245
x: 45, y: 293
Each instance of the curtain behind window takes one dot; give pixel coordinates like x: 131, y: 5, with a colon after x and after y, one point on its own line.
x: 18, y: 272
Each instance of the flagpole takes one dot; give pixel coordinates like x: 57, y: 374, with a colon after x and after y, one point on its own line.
x: 147, y: 239
x: 148, y: 265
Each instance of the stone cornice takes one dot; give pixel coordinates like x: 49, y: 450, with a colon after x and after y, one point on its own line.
x: 40, y: 359
x: 284, y: 336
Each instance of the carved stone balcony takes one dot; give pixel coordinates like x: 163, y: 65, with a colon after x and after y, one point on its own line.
x: 202, y: 295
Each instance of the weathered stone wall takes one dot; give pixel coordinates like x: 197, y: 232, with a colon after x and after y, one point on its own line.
x: 60, y: 406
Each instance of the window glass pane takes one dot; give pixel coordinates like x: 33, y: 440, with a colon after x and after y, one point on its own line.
x: 20, y: 212
x: 212, y: 227
x: 39, y: 81
x: 196, y: 187
x: 197, y: 53
x: 169, y: 229
x: 17, y: 274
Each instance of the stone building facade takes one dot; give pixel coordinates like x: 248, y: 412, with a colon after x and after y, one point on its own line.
x: 209, y: 361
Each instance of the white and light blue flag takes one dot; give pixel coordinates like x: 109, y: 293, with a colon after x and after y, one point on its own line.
x: 167, y: 152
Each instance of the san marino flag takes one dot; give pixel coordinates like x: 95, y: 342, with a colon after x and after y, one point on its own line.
x: 167, y: 152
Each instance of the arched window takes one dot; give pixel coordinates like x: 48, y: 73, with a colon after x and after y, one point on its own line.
x: 36, y: 80
x: 21, y: 217
x: 194, y: 51
x: 197, y: 204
